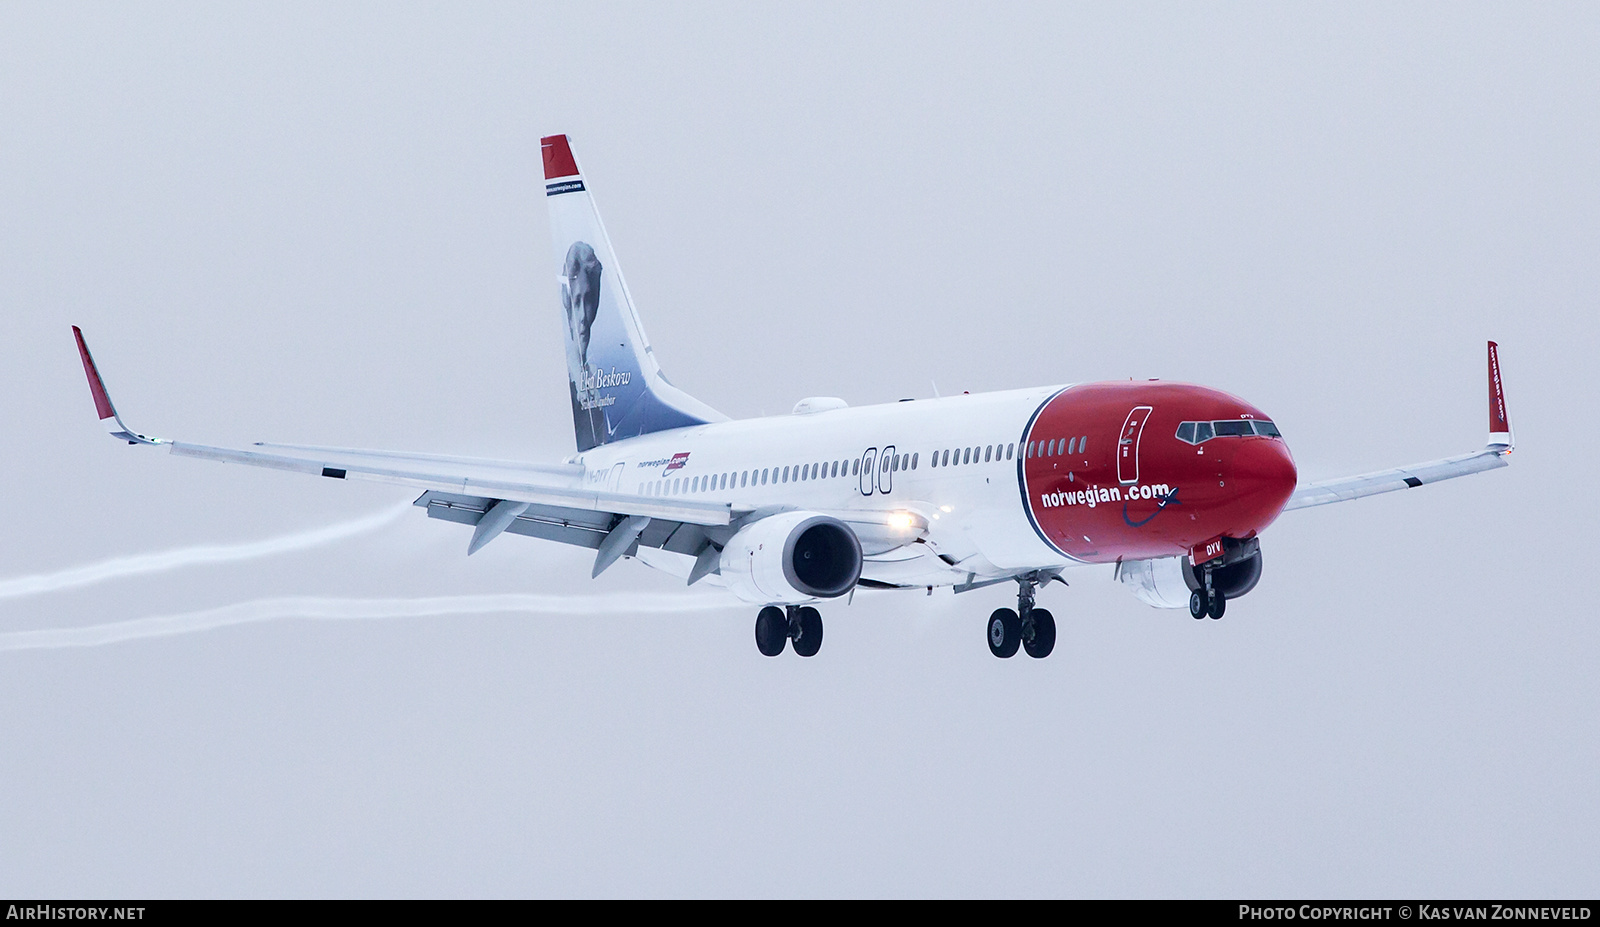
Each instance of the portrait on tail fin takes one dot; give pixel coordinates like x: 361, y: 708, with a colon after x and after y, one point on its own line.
x: 580, y: 297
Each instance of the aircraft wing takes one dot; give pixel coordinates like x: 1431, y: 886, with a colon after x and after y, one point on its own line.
x: 1493, y: 456
x: 538, y: 499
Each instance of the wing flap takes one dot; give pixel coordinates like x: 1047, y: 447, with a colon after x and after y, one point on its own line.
x: 578, y: 527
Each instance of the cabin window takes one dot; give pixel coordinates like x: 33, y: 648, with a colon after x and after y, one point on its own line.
x: 914, y: 461
x: 988, y: 452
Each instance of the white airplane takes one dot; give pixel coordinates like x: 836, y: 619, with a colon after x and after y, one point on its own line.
x: 1172, y: 483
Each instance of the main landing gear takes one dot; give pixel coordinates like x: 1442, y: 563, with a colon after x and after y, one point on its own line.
x: 775, y: 627
x: 1032, y: 629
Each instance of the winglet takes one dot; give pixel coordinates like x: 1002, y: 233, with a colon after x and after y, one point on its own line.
x: 1500, y: 435
x: 102, y: 398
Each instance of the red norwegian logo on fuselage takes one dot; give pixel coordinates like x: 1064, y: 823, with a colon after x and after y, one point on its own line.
x: 678, y: 462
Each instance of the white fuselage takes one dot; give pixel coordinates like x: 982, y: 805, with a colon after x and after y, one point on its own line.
x: 977, y: 527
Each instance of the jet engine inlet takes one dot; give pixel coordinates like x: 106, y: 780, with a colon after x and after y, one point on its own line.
x: 791, y: 558
x: 822, y: 558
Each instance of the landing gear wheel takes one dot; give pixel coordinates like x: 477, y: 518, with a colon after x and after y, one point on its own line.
x: 807, y: 631
x: 772, y: 631
x: 1043, y: 639
x: 1217, y: 606
x: 1197, y: 604
x: 1005, y: 633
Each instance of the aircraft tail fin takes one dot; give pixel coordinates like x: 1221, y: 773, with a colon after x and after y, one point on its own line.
x: 618, y: 390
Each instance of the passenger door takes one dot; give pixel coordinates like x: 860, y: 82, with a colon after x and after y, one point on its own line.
x: 867, y: 473
x: 1128, y: 445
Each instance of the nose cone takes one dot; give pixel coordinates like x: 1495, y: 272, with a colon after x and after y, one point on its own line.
x: 1262, y: 476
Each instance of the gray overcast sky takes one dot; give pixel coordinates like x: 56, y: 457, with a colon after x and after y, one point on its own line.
x: 323, y: 224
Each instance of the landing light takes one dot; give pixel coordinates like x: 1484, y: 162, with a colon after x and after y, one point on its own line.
x: 900, y: 521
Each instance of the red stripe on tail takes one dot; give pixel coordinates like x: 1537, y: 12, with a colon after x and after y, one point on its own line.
x: 558, y: 161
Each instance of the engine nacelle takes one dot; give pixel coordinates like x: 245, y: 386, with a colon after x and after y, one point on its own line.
x: 1161, y: 583
x: 1236, y: 578
x: 792, y: 557
x: 1167, y: 582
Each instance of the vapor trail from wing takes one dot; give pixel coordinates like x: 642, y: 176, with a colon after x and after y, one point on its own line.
x: 143, y: 564
x: 327, y: 609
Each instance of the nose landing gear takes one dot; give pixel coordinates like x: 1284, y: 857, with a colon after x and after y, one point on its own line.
x: 1032, y: 629
x: 1206, y: 598
x: 775, y: 627
x: 1201, y: 605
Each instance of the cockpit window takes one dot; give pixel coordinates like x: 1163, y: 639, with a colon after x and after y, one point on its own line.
x: 1201, y: 432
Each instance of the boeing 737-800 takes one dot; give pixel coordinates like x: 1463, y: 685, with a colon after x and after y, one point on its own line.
x: 1172, y: 483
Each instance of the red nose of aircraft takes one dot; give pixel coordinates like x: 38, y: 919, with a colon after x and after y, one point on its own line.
x: 1261, y: 476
